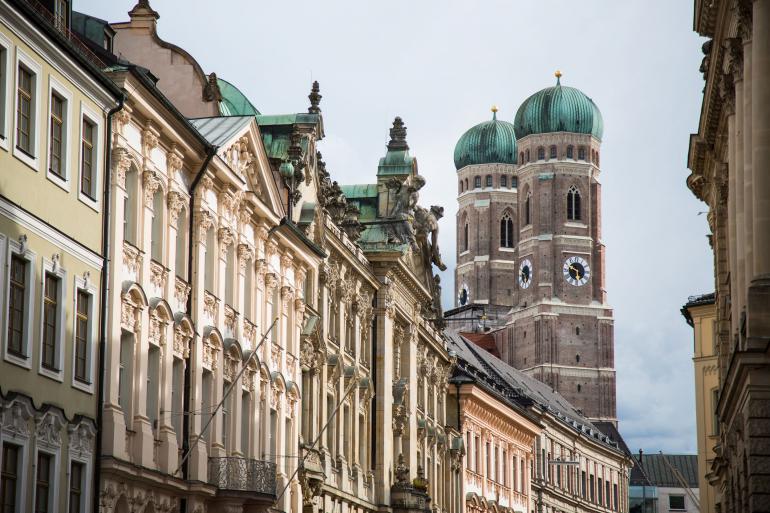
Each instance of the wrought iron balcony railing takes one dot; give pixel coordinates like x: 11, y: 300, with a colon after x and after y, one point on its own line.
x: 243, y: 475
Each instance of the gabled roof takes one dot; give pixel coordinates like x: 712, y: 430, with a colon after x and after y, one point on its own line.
x: 655, y: 470
x: 220, y: 129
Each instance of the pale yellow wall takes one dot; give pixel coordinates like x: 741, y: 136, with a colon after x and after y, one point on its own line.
x: 706, y: 380
x: 32, y: 189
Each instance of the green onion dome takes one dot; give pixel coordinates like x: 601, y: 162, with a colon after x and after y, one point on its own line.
x: 558, y: 109
x: 490, y: 142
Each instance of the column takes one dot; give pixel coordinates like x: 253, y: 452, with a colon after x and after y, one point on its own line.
x: 739, y: 297
x: 384, y: 467
x: 760, y: 134
x: 168, y: 450
x: 748, y: 177
x: 113, y: 422
x: 732, y: 224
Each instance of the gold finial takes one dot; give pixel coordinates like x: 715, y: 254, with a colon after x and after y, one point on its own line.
x: 558, y: 76
x: 494, y: 111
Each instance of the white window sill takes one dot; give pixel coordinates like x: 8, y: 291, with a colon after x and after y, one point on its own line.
x: 83, y: 387
x: 31, y: 162
x: 465, y: 252
x: 16, y: 360
x: 54, y: 375
x: 62, y: 183
x: 508, y: 250
x: 4, y: 143
x: 90, y: 203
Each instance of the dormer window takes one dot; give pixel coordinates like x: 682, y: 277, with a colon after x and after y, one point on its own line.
x: 60, y: 14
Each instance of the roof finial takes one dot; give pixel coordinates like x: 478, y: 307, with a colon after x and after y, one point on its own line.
x: 494, y: 111
x: 315, y: 98
x: 142, y: 8
x: 558, y: 77
x: 398, y: 135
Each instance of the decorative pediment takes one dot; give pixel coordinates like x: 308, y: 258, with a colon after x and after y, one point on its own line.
x: 48, y: 429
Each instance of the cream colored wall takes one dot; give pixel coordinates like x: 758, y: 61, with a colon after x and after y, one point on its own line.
x: 706, y: 380
x: 32, y: 189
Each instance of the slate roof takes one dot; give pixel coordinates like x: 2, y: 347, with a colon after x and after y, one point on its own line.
x: 220, y: 129
x: 609, y: 429
x: 516, y: 387
x: 655, y: 472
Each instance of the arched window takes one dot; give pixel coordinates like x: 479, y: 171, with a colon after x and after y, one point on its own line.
x: 182, y: 228
x: 476, y: 182
x: 527, y: 209
x: 541, y: 153
x: 506, y: 231
x: 503, y: 181
x: 570, y: 152
x: 514, y: 182
x: 552, y: 152
x: 527, y: 155
x: 581, y: 153
x: 597, y: 158
x: 573, y: 204
x: 156, y: 242
x: 130, y: 217
x: 466, y: 184
x: 465, y: 236
x: 521, y: 157
x: 461, y: 186
x: 489, y: 180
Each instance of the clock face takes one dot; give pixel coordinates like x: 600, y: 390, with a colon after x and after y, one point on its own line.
x: 576, y: 271
x: 525, y: 273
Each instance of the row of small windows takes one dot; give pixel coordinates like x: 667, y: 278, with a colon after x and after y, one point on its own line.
x: 502, y: 182
x: 61, y: 124
x: 574, y: 213
x: 553, y: 153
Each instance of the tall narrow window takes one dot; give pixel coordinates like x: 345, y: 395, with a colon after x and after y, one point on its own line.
x: 521, y: 157
x: 177, y: 397
x: 245, y: 422
x: 226, y: 417
x: 489, y: 180
x: 210, y: 259
x: 330, y: 431
x: 81, y: 336
x: 503, y: 181
x: 56, y: 144
x: 16, y: 305
x: 570, y: 151
x: 88, y: 159
x: 527, y: 209
x: 206, y: 403
x: 50, y: 320
x: 465, y: 237
x: 477, y: 182
x: 581, y: 153
x: 153, y: 385
x: 273, y: 434
x: 125, y: 375
x: 60, y: 12
x: 24, y: 127
x: 77, y: 472
x: 43, y: 483
x: 714, y: 413
x: 9, y: 480
x: 552, y: 152
x: 573, y: 204
x: 182, y: 228
x: 541, y: 153
x: 156, y: 240
x: 527, y: 153
x: 3, y: 89
x: 506, y: 232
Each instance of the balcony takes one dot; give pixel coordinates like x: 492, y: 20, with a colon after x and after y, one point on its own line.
x: 239, y: 475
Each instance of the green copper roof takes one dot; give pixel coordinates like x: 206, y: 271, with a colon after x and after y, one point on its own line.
x: 558, y: 109
x: 397, y: 160
x: 492, y: 141
x: 234, y: 102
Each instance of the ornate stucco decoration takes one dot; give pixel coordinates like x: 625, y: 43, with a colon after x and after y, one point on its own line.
x: 182, y: 339
x: 16, y: 415
x: 158, y: 275
x: 121, y: 165
x: 261, y: 271
x: 230, y: 320
x: 149, y: 140
x: 181, y: 290
x: 275, y: 356
x: 204, y: 221
x: 245, y: 255
x: 287, y: 294
x: 132, y: 259
x: 210, y: 353
x: 229, y: 203
x: 176, y: 203
x: 81, y: 438
x: 226, y: 237
x: 210, y: 305
x: 238, y: 156
x: 48, y: 429
x: 129, y: 313
x: 121, y: 119
x: 151, y: 183
x: 174, y: 160
x: 157, y: 329
x: 230, y: 369
x: 249, y: 333
x: 271, y: 281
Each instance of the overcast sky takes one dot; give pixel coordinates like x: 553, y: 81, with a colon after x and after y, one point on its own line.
x: 440, y: 65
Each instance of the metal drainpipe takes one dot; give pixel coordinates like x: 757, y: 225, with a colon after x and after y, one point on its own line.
x: 104, y: 291
x: 211, y: 151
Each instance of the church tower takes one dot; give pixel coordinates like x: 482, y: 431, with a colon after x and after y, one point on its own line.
x: 485, y: 158
x: 559, y: 327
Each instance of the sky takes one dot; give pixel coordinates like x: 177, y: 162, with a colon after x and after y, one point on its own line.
x: 441, y: 65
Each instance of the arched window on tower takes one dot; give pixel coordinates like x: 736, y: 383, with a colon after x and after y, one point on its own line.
x: 503, y: 181
x: 466, y: 184
x: 527, y: 155
x: 476, y: 182
x: 570, y: 152
x: 528, y: 209
x: 461, y: 186
x: 541, y: 153
x: 489, y: 180
x: 552, y: 152
x: 573, y: 204
x: 465, y: 236
x: 506, y: 231
x: 521, y: 157
x: 581, y: 153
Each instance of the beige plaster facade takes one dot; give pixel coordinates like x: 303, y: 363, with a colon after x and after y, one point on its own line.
x: 700, y: 313
x: 729, y: 157
x: 50, y: 260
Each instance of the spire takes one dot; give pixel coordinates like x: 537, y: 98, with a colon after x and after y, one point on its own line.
x: 315, y: 98
x: 494, y: 112
x: 398, y: 136
x: 558, y: 77
x: 143, y: 9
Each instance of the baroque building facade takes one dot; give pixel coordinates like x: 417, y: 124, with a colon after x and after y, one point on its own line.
x: 530, y: 251
x: 54, y: 108
x: 700, y: 314
x: 729, y: 157
x: 534, y: 451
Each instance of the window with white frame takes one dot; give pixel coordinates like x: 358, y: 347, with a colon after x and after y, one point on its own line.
x: 52, y: 319
x: 19, y: 296
x: 177, y: 398
x: 5, y: 76
x: 28, y: 74
x: 77, y: 498
x: 11, y: 477
x: 90, y: 154
x: 153, y: 386
x: 45, y: 473
x: 126, y: 375
x: 59, y: 102
x: 84, y: 334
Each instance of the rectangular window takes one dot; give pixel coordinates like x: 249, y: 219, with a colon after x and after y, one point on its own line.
x: 16, y: 299
x: 615, y: 497
x: 81, y: 336
x: 50, y: 321
x: 4, y: 45
x: 273, y: 434
x: 177, y: 397
x: 60, y: 12
x: 43, y: 483
x: 88, y: 159
x: 715, y: 414
x: 245, y: 422
x: 77, y: 473
x: 9, y: 479
x: 56, y: 144
x: 599, y: 489
x: 676, y: 502
x: 24, y: 127
x: 583, y: 484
